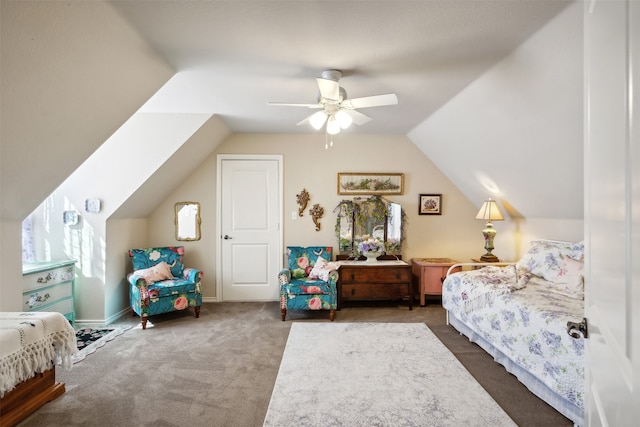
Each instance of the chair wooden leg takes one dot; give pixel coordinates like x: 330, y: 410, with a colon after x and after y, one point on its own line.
x: 197, y: 311
x: 332, y: 315
x: 143, y: 319
x: 283, y: 311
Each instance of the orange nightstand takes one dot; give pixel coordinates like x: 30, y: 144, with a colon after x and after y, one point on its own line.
x: 429, y: 273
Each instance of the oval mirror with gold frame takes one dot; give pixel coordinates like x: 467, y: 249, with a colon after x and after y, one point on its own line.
x: 187, y: 221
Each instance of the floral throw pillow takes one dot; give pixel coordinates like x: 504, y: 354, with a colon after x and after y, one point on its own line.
x: 545, y: 258
x: 570, y: 279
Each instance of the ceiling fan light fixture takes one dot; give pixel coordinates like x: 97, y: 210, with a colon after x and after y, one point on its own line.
x: 344, y: 119
x: 317, y: 120
x: 333, y: 127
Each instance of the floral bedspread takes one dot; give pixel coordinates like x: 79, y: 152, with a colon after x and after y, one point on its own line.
x: 527, y: 323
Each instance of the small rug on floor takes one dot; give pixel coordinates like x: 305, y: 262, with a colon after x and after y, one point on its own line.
x: 375, y: 374
x: 90, y: 339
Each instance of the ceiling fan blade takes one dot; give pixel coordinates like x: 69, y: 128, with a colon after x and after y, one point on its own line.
x: 286, y: 104
x: 358, y: 117
x: 329, y: 89
x: 371, y: 101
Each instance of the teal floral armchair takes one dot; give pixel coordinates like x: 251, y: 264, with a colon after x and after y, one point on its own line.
x: 310, y: 281
x: 160, y: 283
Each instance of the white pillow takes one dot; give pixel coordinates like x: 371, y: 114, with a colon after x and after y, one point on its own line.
x: 157, y: 273
x: 322, y: 269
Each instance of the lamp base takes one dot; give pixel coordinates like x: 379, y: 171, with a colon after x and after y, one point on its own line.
x: 489, y: 258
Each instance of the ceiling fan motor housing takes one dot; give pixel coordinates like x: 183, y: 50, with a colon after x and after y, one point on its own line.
x: 331, y: 75
x: 342, y: 95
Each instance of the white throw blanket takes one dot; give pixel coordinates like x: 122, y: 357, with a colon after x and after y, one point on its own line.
x: 479, y: 288
x: 32, y: 342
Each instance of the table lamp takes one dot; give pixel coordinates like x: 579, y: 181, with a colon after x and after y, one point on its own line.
x: 489, y: 212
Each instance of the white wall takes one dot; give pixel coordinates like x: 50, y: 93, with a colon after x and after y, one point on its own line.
x: 72, y: 73
x: 516, y: 132
x: 112, y: 174
x: 122, y: 234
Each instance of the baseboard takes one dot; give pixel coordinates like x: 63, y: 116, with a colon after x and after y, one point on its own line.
x: 104, y: 322
x: 122, y: 313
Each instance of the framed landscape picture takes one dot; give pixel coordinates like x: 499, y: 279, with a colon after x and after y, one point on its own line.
x: 430, y: 204
x: 370, y: 183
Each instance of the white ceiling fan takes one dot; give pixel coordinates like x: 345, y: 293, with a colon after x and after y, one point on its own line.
x: 337, y: 111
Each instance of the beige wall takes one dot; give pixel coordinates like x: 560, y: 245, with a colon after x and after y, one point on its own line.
x: 307, y: 165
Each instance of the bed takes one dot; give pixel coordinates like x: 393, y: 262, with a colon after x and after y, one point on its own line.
x: 518, y: 313
x: 31, y: 345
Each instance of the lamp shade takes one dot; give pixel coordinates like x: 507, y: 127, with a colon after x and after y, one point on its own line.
x: 489, y: 211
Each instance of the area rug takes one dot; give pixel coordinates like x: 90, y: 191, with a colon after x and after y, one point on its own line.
x: 375, y: 374
x: 89, y: 339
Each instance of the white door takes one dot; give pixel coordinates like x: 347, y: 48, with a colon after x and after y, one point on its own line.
x: 612, y: 212
x: 249, y: 253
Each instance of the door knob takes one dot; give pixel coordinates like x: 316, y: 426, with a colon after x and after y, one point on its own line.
x: 227, y: 237
x: 578, y: 330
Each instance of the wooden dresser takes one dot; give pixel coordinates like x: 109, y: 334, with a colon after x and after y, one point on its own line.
x: 49, y: 286
x: 380, y: 280
x: 428, y: 275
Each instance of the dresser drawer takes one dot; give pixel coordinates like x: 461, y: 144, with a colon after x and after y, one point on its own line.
x: 64, y: 306
x: 373, y: 291
x: 376, y: 275
x: 48, y: 278
x: 36, y: 299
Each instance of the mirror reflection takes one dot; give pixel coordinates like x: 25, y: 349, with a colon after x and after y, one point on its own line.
x: 362, y: 218
x: 394, y: 228
x: 187, y: 221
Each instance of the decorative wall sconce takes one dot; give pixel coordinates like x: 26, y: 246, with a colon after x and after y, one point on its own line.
x: 93, y: 205
x: 303, y: 198
x: 70, y: 217
x: 316, y: 213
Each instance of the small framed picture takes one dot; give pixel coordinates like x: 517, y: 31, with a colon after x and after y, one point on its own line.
x: 430, y: 204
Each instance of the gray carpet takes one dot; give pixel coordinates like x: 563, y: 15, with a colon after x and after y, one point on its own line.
x: 220, y: 369
x: 376, y: 374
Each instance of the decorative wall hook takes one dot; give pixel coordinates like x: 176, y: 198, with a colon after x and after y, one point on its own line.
x: 316, y: 213
x: 303, y: 198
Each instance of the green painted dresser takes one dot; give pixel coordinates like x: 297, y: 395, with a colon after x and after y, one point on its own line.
x: 50, y: 286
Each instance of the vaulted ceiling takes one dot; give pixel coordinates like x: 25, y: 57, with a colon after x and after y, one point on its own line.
x: 233, y: 57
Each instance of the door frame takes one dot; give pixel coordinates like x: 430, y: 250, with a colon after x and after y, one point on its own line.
x: 220, y: 158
